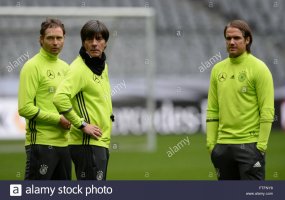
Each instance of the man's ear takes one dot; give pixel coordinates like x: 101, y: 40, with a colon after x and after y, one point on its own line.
x: 41, y: 40
x: 247, y: 40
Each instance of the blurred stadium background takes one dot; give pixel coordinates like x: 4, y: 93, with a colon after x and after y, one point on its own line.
x: 188, y: 42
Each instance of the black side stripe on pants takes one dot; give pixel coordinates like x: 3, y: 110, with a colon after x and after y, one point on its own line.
x: 84, y: 114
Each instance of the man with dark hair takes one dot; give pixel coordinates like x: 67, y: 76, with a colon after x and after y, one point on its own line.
x: 240, y: 109
x: 84, y: 98
x: 47, y: 131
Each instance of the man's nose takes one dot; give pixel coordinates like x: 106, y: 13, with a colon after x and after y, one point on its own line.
x: 95, y: 42
x: 55, y: 41
x: 232, y: 41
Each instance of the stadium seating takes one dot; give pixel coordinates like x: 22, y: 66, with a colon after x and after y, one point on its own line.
x: 200, y: 24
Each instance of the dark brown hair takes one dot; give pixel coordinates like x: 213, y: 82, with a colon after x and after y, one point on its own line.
x: 244, y: 28
x: 93, y: 29
x: 51, y: 23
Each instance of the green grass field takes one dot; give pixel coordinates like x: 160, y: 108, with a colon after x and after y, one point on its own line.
x: 191, y: 162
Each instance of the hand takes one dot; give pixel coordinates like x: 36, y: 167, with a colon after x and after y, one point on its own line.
x: 64, y: 123
x: 262, y: 152
x: 92, y: 130
x: 211, y: 148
